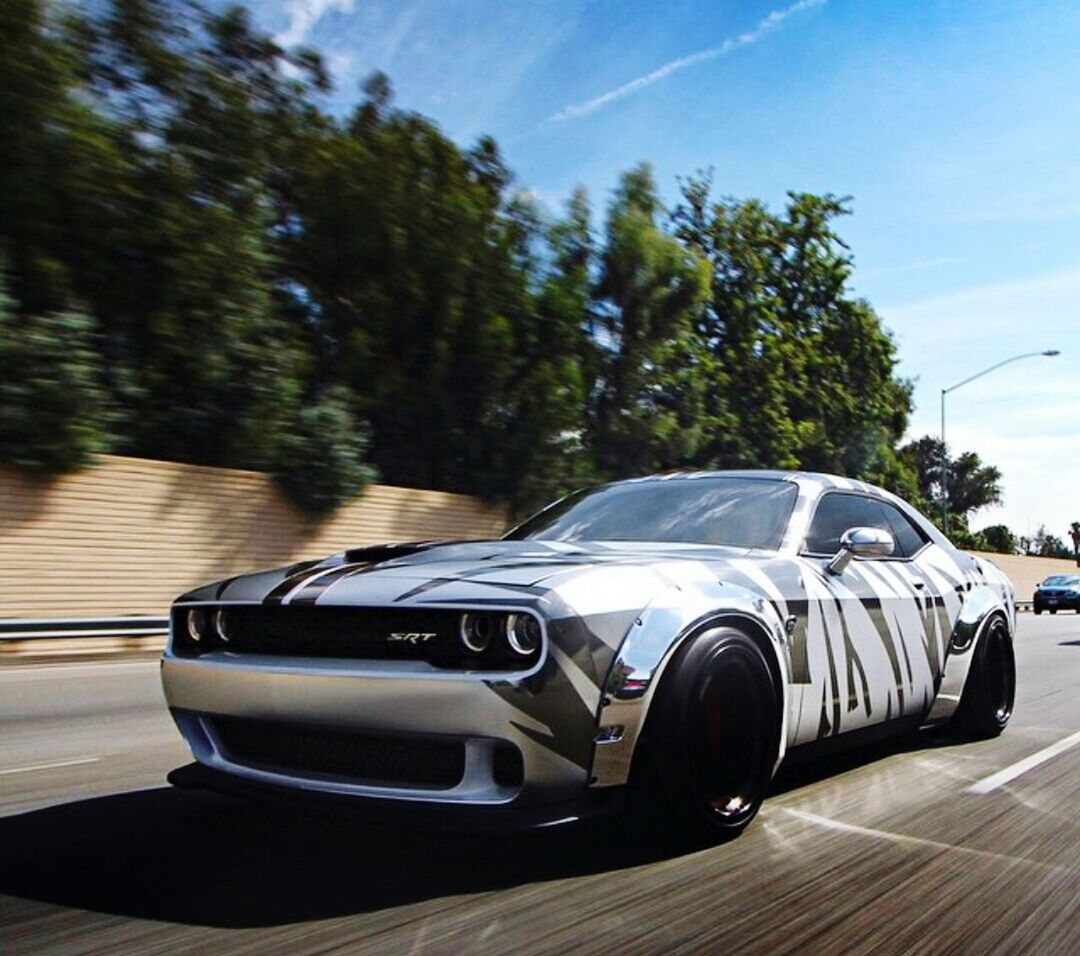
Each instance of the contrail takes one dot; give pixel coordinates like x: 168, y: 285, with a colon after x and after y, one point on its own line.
x: 763, y: 28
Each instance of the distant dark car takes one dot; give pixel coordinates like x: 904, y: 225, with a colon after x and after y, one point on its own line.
x: 1058, y: 592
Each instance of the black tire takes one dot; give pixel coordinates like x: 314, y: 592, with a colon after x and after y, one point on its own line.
x: 1038, y: 611
x: 1053, y: 610
x: 986, y: 703
x: 710, y: 742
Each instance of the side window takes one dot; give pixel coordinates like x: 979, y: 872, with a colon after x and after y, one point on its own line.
x: 909, y: 539
x: 838, y: 512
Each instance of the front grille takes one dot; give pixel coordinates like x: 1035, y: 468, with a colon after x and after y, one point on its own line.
x: 360, y: 633
x: 412, y: 762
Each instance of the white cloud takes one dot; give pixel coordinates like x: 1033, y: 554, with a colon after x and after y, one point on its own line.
x: 304, y: 14
x: 763, y: 28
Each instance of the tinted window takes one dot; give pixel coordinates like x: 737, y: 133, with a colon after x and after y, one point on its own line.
x: 740, y: 512
x: 836, y: 514
x: 909, y: 539
x: 1061, y: 580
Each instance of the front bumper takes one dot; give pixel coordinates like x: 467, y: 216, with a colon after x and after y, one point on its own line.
x: 508, y: 818
x: 371, y: 698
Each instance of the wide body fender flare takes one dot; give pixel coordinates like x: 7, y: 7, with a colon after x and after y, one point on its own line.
x: 981, y: 605
x: 677, y: 614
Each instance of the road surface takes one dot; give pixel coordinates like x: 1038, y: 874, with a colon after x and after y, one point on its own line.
x: 933, y: 846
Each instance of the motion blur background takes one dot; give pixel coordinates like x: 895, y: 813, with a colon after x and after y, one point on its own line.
x: 212, y: 255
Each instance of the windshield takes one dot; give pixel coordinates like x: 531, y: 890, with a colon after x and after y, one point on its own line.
x: 1061, y: 580
x: 739, y: 512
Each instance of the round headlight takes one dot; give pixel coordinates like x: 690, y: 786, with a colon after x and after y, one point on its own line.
x: 522, y: 633
x: 198, y: 624
x: 222, y: 623
x: 477, y: 630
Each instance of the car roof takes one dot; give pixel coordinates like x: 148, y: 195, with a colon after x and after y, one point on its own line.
x: 820, y: 479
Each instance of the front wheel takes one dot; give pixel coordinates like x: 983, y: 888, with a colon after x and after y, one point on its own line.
x: 711, y: 738
x: 986, y: 703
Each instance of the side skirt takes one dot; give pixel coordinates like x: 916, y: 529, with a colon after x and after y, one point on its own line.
x: 864, y: 736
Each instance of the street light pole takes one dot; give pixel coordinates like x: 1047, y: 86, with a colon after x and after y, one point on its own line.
x: 944, y: 453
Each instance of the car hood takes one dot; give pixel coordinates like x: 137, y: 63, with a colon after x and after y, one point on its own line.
x: 457, y: 571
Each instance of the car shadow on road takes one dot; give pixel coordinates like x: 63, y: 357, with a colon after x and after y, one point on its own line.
x: 199, y: 858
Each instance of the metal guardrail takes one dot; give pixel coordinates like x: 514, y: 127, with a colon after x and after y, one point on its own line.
x: 12, y: 629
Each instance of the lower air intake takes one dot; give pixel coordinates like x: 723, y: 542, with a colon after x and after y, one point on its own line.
x: 410, y: 762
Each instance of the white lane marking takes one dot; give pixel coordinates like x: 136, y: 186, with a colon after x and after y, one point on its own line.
x: 50, y: 766
x: 1002, y: 777
x: 903, y: 838
x: 14, y: 669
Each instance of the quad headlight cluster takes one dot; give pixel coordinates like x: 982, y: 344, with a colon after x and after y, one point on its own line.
x: 480, y: 630
x: 207, y: 628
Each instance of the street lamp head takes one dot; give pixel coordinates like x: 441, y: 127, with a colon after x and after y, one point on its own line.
x: 1049, y: 352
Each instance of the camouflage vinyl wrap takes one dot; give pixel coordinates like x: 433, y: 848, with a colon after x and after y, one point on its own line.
x: 887, y: 638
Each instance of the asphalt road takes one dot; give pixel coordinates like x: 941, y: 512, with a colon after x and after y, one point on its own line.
x: 911, y: 847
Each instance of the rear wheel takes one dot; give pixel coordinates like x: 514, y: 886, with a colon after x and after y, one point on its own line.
x: 990, y: 690
x: 711, y: 738
x: 1038, y: 611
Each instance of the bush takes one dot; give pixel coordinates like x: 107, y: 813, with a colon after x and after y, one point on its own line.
x: 999, y: 539
x: 323, y: 459
x: 52, y: 403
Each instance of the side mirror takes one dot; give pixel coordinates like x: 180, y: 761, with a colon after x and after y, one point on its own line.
x: 860, y: 543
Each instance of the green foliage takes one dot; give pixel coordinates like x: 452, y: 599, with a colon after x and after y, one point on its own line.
x: 971, y: 484
x: 322, y: 460
x: 650, y: 288
x: 52, y: 405
x: 266, y: 285
x: 1045, y: 545
x: 999, y: 539
x: 800, y: 373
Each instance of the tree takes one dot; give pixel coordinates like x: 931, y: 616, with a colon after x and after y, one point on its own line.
x: 999, y: 539
x: 545, y: 408
x: 801, y: 374
x: 323, y: 458
x: 406, y: 259
x: 53, y: 408
x: 1044, y: 544
x: 251, y: 268
x: 972, y: 485
x: 648, y: 404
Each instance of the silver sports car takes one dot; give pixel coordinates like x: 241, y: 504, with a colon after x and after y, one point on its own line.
x: 662, y: 644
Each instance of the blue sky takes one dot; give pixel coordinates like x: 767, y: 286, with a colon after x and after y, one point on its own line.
x: 955, y: 127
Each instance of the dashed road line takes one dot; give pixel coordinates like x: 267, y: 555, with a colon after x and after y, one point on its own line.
x: 904, y: 838
x: 50, y: 766
x: 1013, y: 771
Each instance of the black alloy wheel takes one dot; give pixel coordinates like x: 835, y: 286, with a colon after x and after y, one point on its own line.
x: 990, y: 689
x: 711, y: 738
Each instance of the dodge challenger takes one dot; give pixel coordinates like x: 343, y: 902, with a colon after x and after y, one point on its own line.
x: 658, y: 645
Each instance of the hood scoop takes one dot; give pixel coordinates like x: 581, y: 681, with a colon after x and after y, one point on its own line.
x: 387, y: 552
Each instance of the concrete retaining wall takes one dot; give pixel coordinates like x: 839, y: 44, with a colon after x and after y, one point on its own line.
x: 128, y: 535
x: 1025, y: 572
